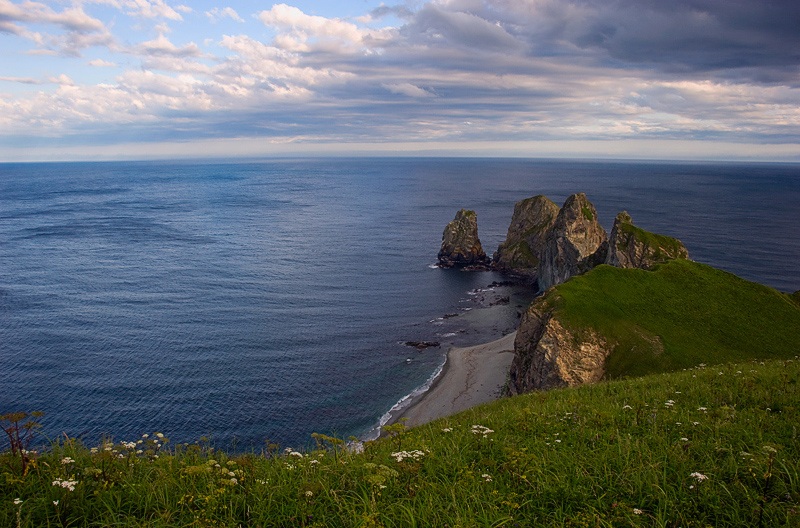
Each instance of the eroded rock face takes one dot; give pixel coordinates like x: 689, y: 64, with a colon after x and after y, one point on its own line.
x: 548, y: 355
x: 521, y: 251
x: 632, y: 247
x: 461, y: 247
x: 575, y: 243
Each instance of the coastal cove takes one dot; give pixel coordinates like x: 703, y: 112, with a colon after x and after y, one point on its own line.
x: 272, y: 299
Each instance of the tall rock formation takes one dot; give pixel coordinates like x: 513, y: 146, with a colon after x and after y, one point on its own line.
x: 631, y: 247
x: 575, y: 243
x: 521, y: 251
x: 461, y: 247
x: 548, y: 355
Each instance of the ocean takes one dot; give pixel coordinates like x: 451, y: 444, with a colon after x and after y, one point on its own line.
x: 265, y: 300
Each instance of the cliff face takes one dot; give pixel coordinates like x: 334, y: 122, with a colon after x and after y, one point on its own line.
x: 461, y: 246
x: 575, y: 243
x: 631, y: 247
x: 548, y: 355
x: 521, y: 251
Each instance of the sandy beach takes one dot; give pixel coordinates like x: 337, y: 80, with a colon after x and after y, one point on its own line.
x: 471, y: 376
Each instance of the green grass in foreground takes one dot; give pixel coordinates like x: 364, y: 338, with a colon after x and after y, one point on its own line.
x: 712, y: 446
x: 681, y: 314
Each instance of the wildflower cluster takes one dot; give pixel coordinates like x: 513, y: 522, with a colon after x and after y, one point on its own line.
x: 66, y: 484
x: 415, y: 454
x: 481, y: 430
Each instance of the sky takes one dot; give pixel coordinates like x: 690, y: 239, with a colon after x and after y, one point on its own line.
x: 622, y: 79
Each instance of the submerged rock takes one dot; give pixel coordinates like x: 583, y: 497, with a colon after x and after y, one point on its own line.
x: 521, y: 251
x: 422, y: 344
x: 461, y: 247
x: 548, y: 355
x: 632, y: 247
x: 575, y: 243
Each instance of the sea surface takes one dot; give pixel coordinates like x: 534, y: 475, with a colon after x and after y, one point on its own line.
x: 267, y: 300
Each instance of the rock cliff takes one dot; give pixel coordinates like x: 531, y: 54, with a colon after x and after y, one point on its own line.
x: 631, y: 247
x: 461, y: 247
x: 521, y: 251
x: 548, y: 355
x: 575, y: 243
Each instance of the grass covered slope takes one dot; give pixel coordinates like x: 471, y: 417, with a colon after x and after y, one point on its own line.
x: 679, y: 315
x: 706, y: 447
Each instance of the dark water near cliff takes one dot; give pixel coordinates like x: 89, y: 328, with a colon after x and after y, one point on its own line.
x: 269, y: 299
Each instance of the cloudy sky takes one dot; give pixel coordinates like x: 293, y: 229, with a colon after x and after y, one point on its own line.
x: 111, y: 79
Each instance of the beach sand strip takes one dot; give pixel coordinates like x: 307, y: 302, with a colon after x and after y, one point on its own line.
x: 471, y: 376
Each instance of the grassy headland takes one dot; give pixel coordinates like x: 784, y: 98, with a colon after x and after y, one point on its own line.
x: 679, y: 315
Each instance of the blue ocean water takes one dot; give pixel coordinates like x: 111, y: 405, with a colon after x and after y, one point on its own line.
x: 271, y: 299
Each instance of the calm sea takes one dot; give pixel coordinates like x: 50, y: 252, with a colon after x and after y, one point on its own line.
x: 271, y: 299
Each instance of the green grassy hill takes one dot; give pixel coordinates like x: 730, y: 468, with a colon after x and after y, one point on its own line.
x: 713, y: 446
x: 678, y: 315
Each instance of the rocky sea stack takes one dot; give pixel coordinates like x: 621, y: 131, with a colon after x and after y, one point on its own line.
x: 520, y: 253
x: 575, y: 243
x: 461, y: 247
x: 632, y: 247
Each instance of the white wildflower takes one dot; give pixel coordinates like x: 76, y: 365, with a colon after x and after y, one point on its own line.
x: 145, y: 436
x: 481, y: 430
x: 55, y: 503
x: 67, y: 460
x: 309, y: 493
x: 769, y: 449
x: 699, y: 477
x: 684, y: 439
x: 159, y: 435
x: 66, y: 484
x: 296, y: 454
x: 415, y: 454
x: 627, y: 407
x: 314, y: 462
x: 17, y: 501
x: 446, y: 430
x: 486, y: 477
x: 637, y: 511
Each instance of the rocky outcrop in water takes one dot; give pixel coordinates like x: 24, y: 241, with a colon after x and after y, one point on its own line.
x: 461, y: 247
x: 549, y: 355
x: 530, y: 223
x: 575, y: 243
x: 632, y: 247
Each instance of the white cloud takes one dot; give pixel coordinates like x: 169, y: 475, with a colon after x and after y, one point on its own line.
x: 22, y: 80
x: 100, y: 63
x: 218, y: 14
x: 162, y: 47
x: 300, y: 29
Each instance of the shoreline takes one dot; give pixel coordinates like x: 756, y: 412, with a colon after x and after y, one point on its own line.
x: 469, y: 377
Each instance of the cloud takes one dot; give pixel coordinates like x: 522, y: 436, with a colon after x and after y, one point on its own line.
x: 218, y: 14
x: 408, y: 89
x: 287, y: 17
x: 82, y: 30
x: 162, y: 47
x: 516, y: 70
x: 150, y: 9
x: 100, y: 63
x: 22, y: 80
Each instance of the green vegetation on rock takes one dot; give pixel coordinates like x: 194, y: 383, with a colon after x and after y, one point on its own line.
x: 663, y: 247
x: 678, y: 315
